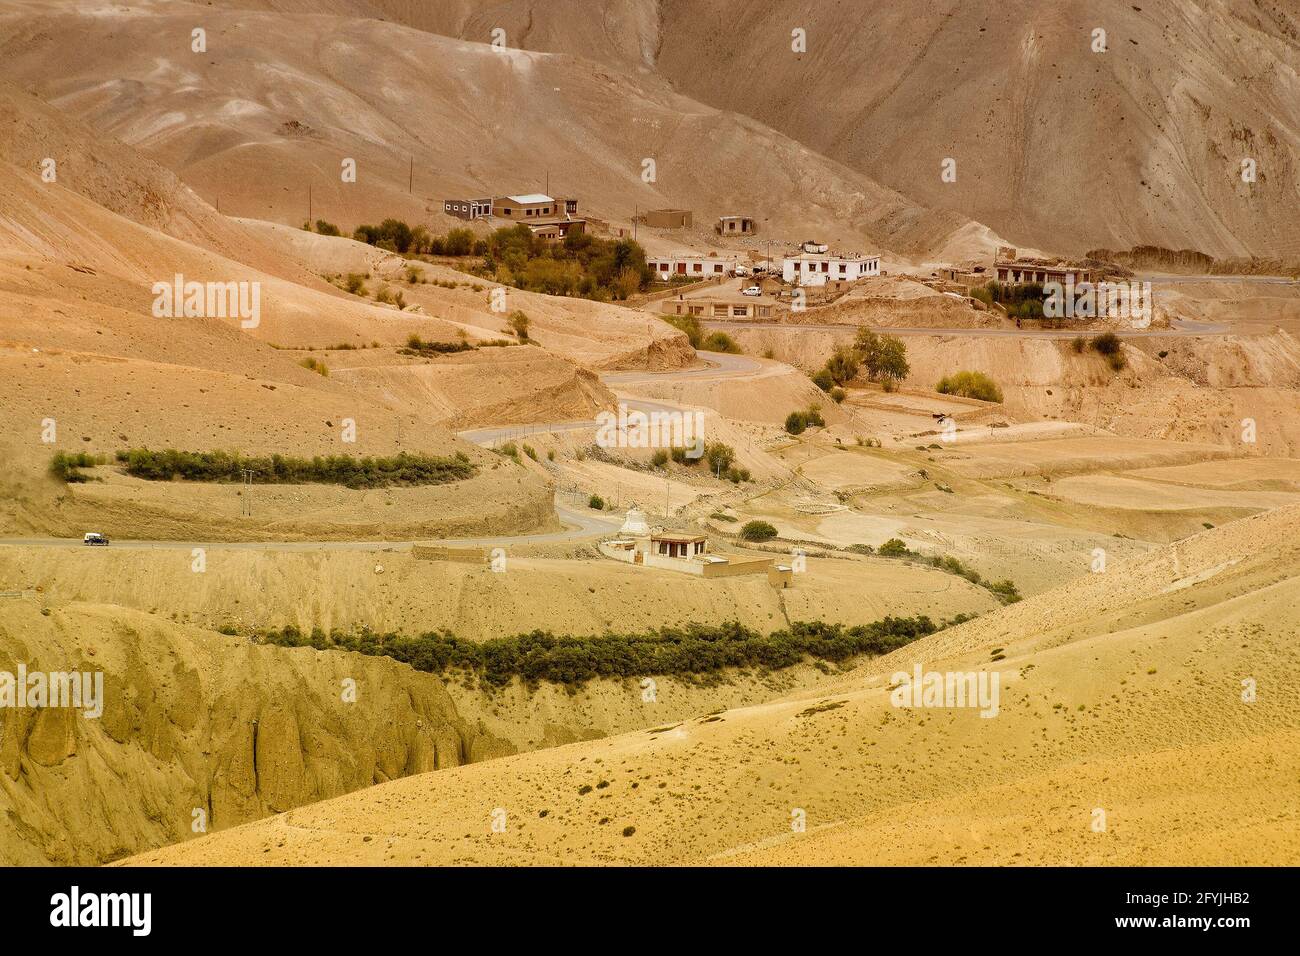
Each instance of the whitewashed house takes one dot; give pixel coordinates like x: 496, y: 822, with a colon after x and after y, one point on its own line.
x: 818, y: 268
x: 692, y: 264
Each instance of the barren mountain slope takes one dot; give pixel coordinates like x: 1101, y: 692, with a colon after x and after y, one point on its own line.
x: 1057, y: 146
x: 278, y: 102
x: 1124, y: 728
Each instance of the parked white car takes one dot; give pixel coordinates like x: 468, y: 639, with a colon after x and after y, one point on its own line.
x: 752, y: 290
x: 93, y: 537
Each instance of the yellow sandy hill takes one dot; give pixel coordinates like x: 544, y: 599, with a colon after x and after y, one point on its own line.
x: 1122, y: 736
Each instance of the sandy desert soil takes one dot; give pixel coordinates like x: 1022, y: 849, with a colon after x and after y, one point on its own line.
x: 1133, y: 709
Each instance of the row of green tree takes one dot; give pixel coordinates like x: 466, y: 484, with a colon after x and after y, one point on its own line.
x: 397, y: 236
x: 580, y: 265
x: 220, y: 466
x: 692, y: 650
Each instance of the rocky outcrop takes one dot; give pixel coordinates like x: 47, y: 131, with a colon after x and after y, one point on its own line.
x: 199, y: 732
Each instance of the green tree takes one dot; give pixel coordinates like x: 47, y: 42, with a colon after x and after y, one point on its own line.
x: 842, y: 365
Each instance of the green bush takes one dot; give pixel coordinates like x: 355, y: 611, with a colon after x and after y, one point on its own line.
x: 757, y: 531
x: 970, y: 385
x: 1107, y: 343
x: 823, y: 380
x: 690, y: 326
x: 64, y: 465
x: 719, y: 457
x: 894, y: 548
x: 418, y: 346
x: 720, y: 342
x: 796, y: 423
x: 842, y: 365
x: 838, y: 395
x: 596, y: 503
x: 518, y: 323
x: 660, y: 458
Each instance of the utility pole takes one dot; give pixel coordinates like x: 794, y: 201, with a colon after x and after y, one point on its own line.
x: 309, y: 205
x: 410, y: 180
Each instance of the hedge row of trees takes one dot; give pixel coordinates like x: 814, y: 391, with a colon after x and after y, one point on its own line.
x: 580, y: 265
x: 404, y: 469
x: 396, y: 236
x: 689, y: 651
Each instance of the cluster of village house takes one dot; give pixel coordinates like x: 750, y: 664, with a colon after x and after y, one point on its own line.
x: 1010, y: 268
x: 813, y: 265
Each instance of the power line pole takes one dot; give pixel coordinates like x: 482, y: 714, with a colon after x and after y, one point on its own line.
x: 410, y: 180
x: 309, y: 205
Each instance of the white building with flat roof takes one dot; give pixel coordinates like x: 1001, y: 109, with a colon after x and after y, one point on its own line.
x: 692, y: 264
x: 818, y: 268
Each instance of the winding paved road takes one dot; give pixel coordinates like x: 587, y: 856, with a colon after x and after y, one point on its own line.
x: 583, y: 523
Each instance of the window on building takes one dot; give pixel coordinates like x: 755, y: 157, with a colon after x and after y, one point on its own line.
x: 717, y: 267
x: 764, y: 311
x: 740, y: 310
x: 699, y: 267
x: 720, y: 310
x: 697, y: 310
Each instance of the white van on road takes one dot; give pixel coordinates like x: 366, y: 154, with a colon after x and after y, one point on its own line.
x: 93, y: 537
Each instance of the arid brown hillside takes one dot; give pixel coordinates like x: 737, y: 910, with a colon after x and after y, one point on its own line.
x: 278, y: 101
x: 1057, y: 146
x: 194, y: 722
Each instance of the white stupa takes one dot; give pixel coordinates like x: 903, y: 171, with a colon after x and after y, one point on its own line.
x: 635, y: 522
